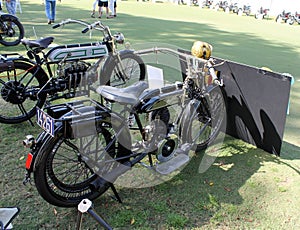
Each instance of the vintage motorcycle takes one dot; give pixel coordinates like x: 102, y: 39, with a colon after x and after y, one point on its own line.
x: 224, y: 5
x: 87, y: 145
x: 63, y: 72
x: 262, y: 13
x: 11, y: 30
x: 297, y: 17
x: 240, y: 10
x: 285, y: 17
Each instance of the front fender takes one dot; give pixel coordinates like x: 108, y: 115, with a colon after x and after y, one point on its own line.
x: 126, y: 51
x: 9, y: 16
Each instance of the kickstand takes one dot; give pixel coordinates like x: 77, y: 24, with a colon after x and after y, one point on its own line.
x: 116, y: 197
x: 86, y: 206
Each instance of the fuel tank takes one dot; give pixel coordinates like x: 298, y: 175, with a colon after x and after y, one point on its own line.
x: 153, y: 99
x: 77, y: 51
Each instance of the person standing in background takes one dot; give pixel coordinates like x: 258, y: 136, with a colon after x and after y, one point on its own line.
x: 104, y: 3
x: 115, y: 8
x: 111, y: 7
x: 94, y: 8
x: 11, y: 6
x: 50, y: 9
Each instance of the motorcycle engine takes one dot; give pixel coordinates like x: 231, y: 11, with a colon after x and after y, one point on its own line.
x: 72, y: 74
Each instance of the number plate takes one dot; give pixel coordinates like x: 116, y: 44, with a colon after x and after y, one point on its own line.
x: 45, y: 121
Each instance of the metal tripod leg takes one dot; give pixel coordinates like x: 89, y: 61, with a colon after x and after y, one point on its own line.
x: 86, y: 206
x: 117, y: 197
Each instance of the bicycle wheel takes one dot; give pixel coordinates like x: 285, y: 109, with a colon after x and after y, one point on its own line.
x: 11, y: 30
x: 205, y: 120
x: 67, y: 167
x: 18, y: 88
x: 130, y: 70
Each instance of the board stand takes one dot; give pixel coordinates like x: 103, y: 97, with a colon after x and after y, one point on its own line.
x: 85, y: 206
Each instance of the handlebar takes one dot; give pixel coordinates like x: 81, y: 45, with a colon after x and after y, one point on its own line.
x: 96, y: 25
x: 208, y: 63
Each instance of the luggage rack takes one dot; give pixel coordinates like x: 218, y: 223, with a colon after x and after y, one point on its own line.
x: 78, y: 117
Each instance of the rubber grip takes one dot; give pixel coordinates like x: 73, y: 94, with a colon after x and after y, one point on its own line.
x: 85, y: 30
x: 56, y: 26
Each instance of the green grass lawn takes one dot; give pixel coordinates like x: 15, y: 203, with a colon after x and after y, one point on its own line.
x: 245, y: 188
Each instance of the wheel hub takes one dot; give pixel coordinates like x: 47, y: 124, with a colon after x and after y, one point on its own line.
x: 10, y: 32
x: 13, y: 92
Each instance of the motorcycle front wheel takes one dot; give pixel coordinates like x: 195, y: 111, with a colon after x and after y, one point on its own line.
x: 290, y: 21
x: 18, y: 92
x: 123, y: 73
x: 205, y: 120
x: 67, y: 166
x: 11, y: 30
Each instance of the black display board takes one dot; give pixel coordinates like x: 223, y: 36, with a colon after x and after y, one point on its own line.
x: 257, y: 102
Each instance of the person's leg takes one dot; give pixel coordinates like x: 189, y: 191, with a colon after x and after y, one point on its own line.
x: 115, y: 8
x: 47, y: 10
x: 111, y: 6
x: 95, y: 4
x: 11, y: 7
x: 107, y: 12
x: 100, y: 9
x: 53, y: 10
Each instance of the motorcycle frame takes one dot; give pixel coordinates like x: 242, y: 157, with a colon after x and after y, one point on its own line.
x: 43, y: 62
x: 101, y: 112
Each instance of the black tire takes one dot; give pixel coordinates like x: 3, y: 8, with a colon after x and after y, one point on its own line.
x: 16, y: 103
x: 112, y: 74
x: 12, y: 31
x: 67, y: 167
x: 290, y: 21
x: 278, y: 19
x: 208, y: 115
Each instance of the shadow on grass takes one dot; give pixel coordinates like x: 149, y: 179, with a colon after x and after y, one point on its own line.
x: 194, y: 198
x: 290, y: 151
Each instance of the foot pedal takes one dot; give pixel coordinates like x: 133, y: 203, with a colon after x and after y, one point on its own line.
x: 173, y: 164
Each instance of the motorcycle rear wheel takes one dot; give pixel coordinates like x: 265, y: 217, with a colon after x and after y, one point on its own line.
x: 16, y: 85
x: 67, y: 167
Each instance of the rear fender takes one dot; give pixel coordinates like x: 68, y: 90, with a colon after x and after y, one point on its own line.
x: 33, y: 156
